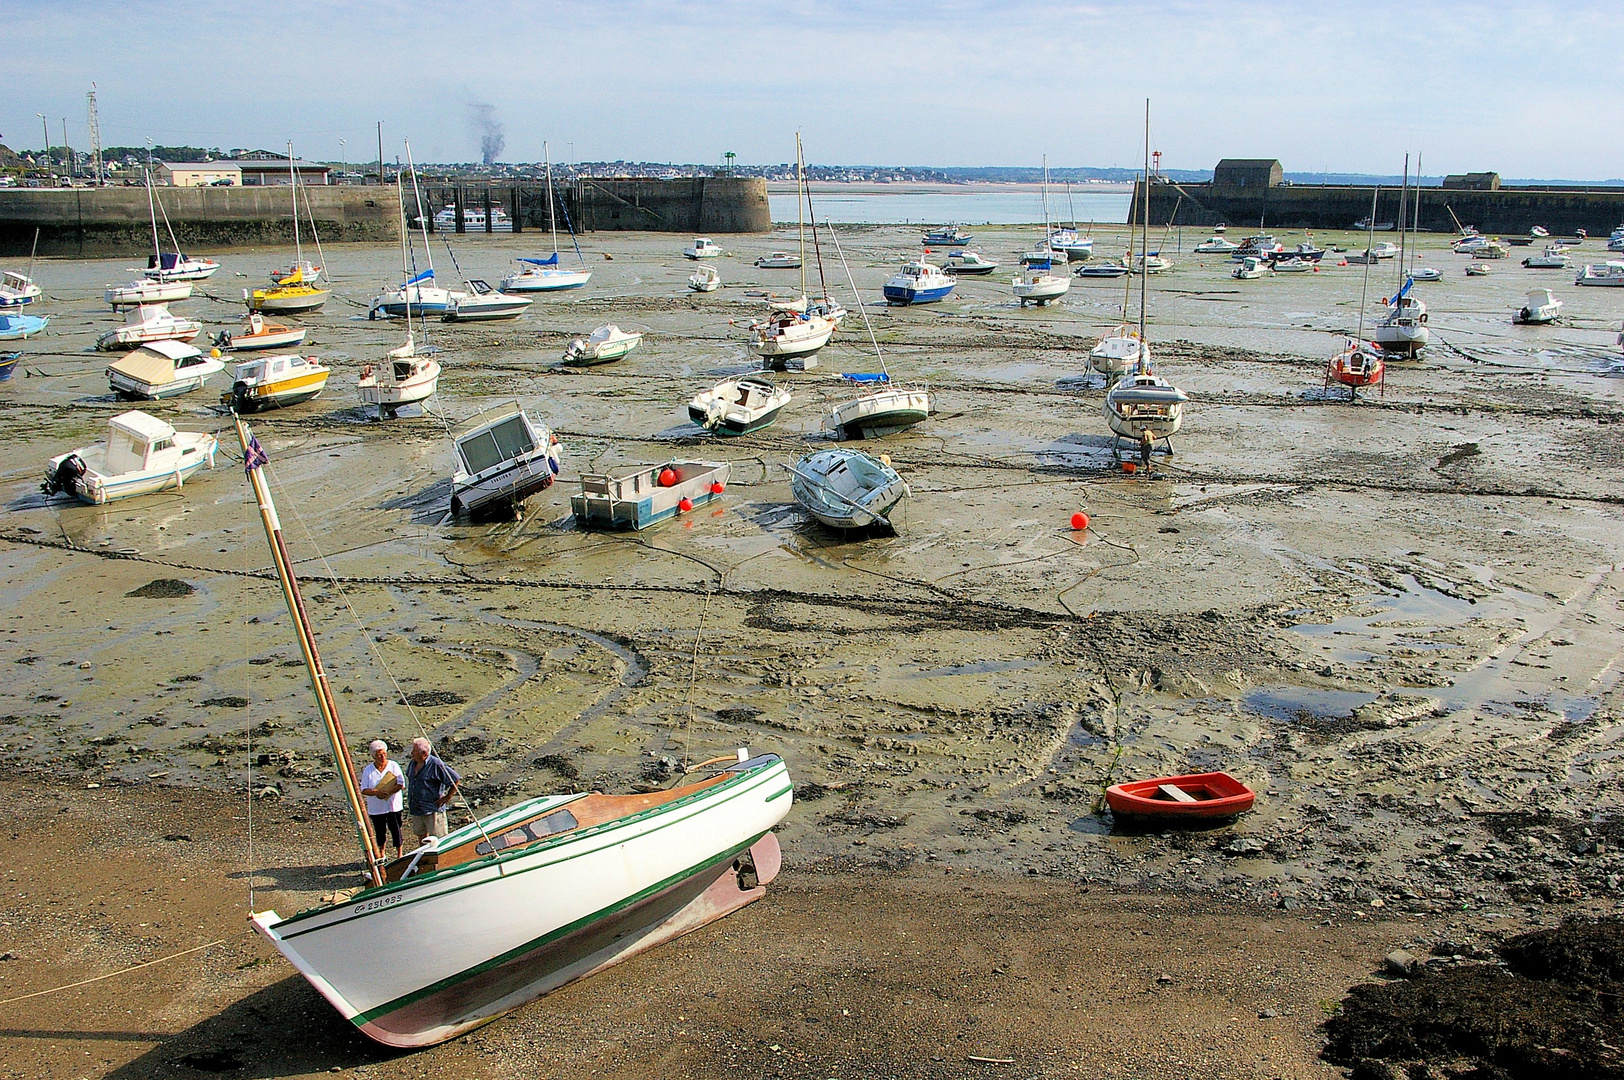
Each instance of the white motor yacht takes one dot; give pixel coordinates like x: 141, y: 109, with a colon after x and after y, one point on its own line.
x: 150, y: 322
x: 1610, y: 272
x: 1540, y: 306
x: 142, y: 455
x: 1216, y: 245
x: 702, y: 248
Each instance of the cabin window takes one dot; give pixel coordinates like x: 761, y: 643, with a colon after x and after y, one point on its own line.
x: 164, y: 444
x: 557, y: 822
x: 491, y: 447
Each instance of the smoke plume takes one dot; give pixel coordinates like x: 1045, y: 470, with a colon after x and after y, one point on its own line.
x: 492, y: 136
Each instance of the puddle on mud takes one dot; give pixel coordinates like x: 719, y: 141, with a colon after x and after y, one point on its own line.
x: 1304, y: 703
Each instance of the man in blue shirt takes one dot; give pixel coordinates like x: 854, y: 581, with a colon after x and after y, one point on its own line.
x: 430, y: 784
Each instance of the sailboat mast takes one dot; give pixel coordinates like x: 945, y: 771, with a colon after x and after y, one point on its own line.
x: 1415, y: 213
x: 552, y: 215
x: 812, y: 217
x: 255, y: 457
x: 1370, y: 247
x: 800, y: 209
x: 293, y: 186
x: 152, y: 210
x: 1046, y: 236
x: 423, y: 222
x: 1144, y: 234
x: 1403, y: 207
x: 400, y: 199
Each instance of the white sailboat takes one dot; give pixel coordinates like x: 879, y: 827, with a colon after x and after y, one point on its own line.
x: 1403, y: 330
x: 1038, y: 283
x: 402, y: 378
x: 149, y: 289
x: 420, y: 293
x: 789, y: 336
x: 545, y: 275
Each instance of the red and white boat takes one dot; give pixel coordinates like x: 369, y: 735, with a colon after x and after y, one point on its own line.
x: 1358, y: 364
x: 259, y: 334
x: 1195, y: 796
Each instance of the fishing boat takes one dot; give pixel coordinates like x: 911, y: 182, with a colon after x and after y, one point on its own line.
x: 1194, y: 796
x: 1540, y: 306
x: 259, y: 334
x: 503, y: 458
x: 15, y: 327
x: 648, y: 494
x: 968, y: 264
x: 515, y: 905
x: 142, y: 455
x: 1478, y: 269
x: 275, y: 382
x: 18, y: 290
x: 400, y: 379
x: 1119, y: 351
x: 152, y: 322
x: 1038, y: 284
x: 702, y: 248
x: 948, y: 236
x: 1250, y: 268
x: 147, y: 291
x: 546, y: 275
x: 738, y: 406
x: 705, y: 279
x: 847, y: 489
x: 1102, y: 270
x: 1610, y: 273
x: 779, y: 260
x: 481, y: 303
x: 919, y: 283
x: 421, y: 294
x: 879, y: 412
x: 605, y: 344
x: 1216, y: 245
x: 161, y: 369
x: 8, y: 364
x: 1553, y: 257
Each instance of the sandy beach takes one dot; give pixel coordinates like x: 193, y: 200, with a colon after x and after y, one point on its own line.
x: 1398, y: 619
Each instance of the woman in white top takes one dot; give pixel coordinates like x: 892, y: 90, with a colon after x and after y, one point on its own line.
x: 382, y: 783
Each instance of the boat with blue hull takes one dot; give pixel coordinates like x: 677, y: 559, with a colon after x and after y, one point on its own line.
x: 17, y: 327
x: 919, y: 283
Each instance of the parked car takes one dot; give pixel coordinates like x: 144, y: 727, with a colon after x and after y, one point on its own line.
x: 224, y: 181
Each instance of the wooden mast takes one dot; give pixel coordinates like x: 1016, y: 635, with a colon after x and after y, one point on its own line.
x: 255, y: 457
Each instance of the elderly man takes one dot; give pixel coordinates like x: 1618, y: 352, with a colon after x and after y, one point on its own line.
x: 430, y: 784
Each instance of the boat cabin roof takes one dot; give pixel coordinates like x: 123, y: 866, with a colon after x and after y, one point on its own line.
x: 144, y: 428
x: 16, y: 280
x: 172, y: 350
x: 487, y: 419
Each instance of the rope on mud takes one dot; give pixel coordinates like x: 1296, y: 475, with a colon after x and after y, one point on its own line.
x: 112, y: 974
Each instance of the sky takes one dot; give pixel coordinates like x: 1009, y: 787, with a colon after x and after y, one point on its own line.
x: 1521, y: 89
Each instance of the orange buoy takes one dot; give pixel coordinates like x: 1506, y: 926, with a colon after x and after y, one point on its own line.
x: 685, y: 505
x: 1130, y: 466
x: 1079, y: 521
x: 716, y: 487
x: 668, y: 477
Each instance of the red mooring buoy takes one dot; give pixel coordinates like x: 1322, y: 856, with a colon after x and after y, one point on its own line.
x: 1079, y: 521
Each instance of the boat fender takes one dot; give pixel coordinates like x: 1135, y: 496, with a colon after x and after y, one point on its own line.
x: 717, y: 488
x: 685, y: 504
x: 668, y: 477
x: 65, y: 476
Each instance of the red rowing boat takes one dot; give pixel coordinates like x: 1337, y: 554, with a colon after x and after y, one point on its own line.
x: 1199, y: 795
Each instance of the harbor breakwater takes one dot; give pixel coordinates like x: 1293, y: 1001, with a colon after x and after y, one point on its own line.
x: 88, y: 222
x: 1315, y: 206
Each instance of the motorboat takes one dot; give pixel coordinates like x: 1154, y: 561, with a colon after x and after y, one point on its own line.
x: 400, y: 379
x: 1250, y: 268
x: 474, y: 220
x: 847, y: 489
x: 1191, y: 797
x: 1553, y: 257
x: 1385, y: 250
x: 1307, y: 250
x: 173, y: 266
x: 1143, y: 407
x: 275, y: 382
x: 787, y: 334
x: 648, y: 494
x: 1038, y: 284
x: 1426, y: 273
x: 1491, y: 250
x: 1262, y: 245
x: 705, y: 279
x: 16, y: 327
x: 949, y: 236
x: 1469, y: 243
x: 1478, y: 269
x: 879, y: 412
x: 1153, y: 263
x: 150, y: 322
x: 968, y: 264
x: 18, y: 290
x: 1359, y: 364
x: 161, y: 369
x: 503, y: 458
x: 544, y: 275
x: 1118, y: 351
x: 1539, y: 232
x: 702, y: 248
x: 1404, y: 329
x: 1216, y: 245
x: 1296, y: 264
x: 300, y: 270
x: 1101, y: 270
x: 738, y: 406
x: 259, y: 334
x: 147, y: 291
x: 779, y: 260
x: 605, y: 344
x: 1610, y: 272
x: 919, y: 283
x: 481, y: 303
x: 142, y: 455
x: 1540, y: 306
x: 1366, y: 225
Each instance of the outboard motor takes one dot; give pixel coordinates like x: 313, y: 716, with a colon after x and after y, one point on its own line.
x: 241, y: 399
x: 65, y: 477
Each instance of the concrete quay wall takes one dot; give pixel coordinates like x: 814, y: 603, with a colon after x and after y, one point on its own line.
x: 1510, y: 211
x: 86, y: 222
x: 712, y: 204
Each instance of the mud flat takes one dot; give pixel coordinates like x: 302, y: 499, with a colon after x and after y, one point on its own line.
x: 1397, y: 619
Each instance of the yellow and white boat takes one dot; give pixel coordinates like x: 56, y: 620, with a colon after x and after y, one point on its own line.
x: 275, y: 382
x: 289, y: 297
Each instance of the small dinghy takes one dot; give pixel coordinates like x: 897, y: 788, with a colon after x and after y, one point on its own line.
x: 503, y: 458
x: 649, y: 494
x: 259, y: 334
x: 847, y: 489
x: 605, y: 344
x: 738, y: 406
x: 275, y: 382
x: 1540, y: 306
x: 151, y: 322
x: 17, y: 327
x: 142, y: 455
x: 1427, y: 273
x: 1477, y: 269
x: 879, y: 412
x: 161, y: 369
x: 146, y: 291
x: 968, y: 264
x: 705, y: 279
x: 1197, y: 796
